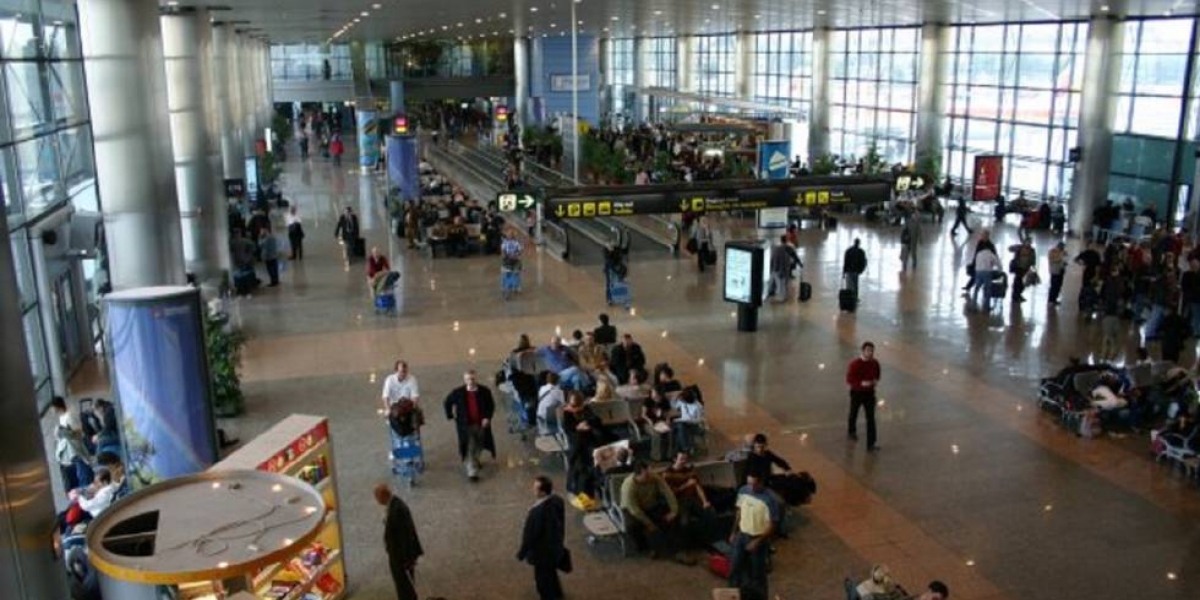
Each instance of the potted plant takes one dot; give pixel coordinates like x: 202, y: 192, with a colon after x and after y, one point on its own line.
x: 224, y: 348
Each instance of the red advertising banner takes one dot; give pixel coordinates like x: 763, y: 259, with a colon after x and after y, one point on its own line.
x: 989, y: 172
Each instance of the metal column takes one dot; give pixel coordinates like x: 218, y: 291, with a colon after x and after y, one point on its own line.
x: 521, y: 77
x: 640, y: 100
x: 28, y: 566
x: 201, y: 195
x: 126, y: 85
x: 1101, y: 72
x: 743, y: 65
x: 683, y: 64
x: 225, y: 102
x: 929, y: 97
x: 818, y: 119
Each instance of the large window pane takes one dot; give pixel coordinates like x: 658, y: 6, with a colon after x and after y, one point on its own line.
x: 18, y: 38
x: 37, y: 162
x: 24, y: 269
x: 1155, y: 116
x: 26, y: 100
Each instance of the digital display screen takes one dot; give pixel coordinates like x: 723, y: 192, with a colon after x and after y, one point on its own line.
x: 739, y: 274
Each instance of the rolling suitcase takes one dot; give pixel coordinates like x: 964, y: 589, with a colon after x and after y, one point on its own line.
x: 805, y: 291
x: 360, y: 247
x: 847, y: 300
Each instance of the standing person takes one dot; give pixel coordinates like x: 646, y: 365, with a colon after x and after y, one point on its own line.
x: 910, y: 239
x: 960, y: 217
x: 542, y: 539
x: 862, y: 376
x: 69, y: 449
x: 605, y: 334
x: 984, y: 243
x: 754, y: 523
x: 1189, y: 289
x: 336, y: 149
x: 400, y: 385
x: 1058, y: 270
x: 347, y: 230
x: 401, y: 542
x: 295, y: 233
x: 302, y: 140
x: 268, y: 247
x: 783, y: 262
x: 854, y: 264
x: 703, y: 236
x: 470, y: 406
x: 987, y: 266
x: 1024, y: 259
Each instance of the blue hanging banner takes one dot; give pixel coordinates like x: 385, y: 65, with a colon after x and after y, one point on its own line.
x: 368, y: 139
x: 160, y: 382
x: 403, y: 168
x: 773, y: 161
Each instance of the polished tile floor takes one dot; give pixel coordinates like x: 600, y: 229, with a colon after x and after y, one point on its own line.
x: 973, y: 486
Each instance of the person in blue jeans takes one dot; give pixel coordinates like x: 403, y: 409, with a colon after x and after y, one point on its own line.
x: 754, y: 524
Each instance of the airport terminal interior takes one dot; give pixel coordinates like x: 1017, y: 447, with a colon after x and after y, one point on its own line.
x: 593, y: 299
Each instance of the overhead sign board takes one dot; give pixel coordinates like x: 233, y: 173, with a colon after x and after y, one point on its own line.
x: 513, y: 201
x: 581, y: 82
x: 573, y: 203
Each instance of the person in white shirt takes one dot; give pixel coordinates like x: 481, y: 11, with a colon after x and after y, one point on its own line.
x: 400, y: 384
x: 550, y: 397
x: 690, y: 419
x: 987, y: 264
x: 98, y: 496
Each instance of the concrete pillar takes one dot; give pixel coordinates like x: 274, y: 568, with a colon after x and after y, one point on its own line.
x: 186, y: 38
x: 930, y: 102
x: 28, y: 569
x: 245, y: 74
x: 683, y: 62
x: 818, y: 118
x: 396, y: 96
x: 1101, y: 72
x: 225, y: 101
x: 743, y: 66
x: 126, y: 85
x: 264, y: 84
x: 521, y: 78
x: 640, y: 112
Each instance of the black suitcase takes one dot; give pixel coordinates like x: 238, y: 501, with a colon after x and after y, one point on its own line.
x: 805, y: 291
x: 360, y: 247
x: 830, y: 223
x: 847, y: 300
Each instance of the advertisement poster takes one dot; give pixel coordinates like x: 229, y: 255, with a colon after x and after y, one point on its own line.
x: 160, y: 376
x: 368, y: 139
x: 989, y: 172
x: 773, y: 159
x: 403, y: 169
x: 739, y: 275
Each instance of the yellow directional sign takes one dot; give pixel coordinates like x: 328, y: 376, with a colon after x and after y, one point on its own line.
x: 810, y: 198
x: 604, y: 208
x: 697, y: 204
x: 589, y: 209
x: 823, y: 197
x: 574, y: 209
x: 559, y: 211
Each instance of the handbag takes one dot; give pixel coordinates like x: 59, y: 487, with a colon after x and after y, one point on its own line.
x: 564, y: 561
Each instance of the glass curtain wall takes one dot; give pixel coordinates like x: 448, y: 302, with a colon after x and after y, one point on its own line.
x: 661, y: 62
x: 783, y: 69
x: 873, y: 92
x: 620, y: 72
x: 46, y: 155
x: 308, y: 61
x: 1014, y: 90
x: 715, y: 64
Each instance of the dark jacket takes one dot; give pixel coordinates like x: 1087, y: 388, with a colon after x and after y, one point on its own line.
x: 400, y: 534
x: 623, y: 361
x: 347, y: 227
x: 545, y: 528
x: 456, y: 410
x: 854, y: 261
x: 605, y: 334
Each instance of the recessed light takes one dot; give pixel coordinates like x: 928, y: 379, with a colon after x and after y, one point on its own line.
x: 357, y: 20
x: 616, y: 18
x: 1104, y: 8
x: 820, y: 12
x: 478, y: 20
x: 553, y: 25
x: 365, y: 13
x: 580, y: 22
x: 716, y: 7
x: 658, y: 13
x: 503, y: 15
x: 458, y: 24
x: 376, y: 6
x: 757, y: 16
x: 532, y: 9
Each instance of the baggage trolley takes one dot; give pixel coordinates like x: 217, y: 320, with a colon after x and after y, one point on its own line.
x: 619, y: 294
x: 997, y: 289
x: 407, y: 456
x: 385, y: 299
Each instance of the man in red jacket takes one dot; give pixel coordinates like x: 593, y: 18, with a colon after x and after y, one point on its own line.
x: 862, y: 376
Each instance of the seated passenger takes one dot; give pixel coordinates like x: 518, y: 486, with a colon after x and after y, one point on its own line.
x: 613, y: 459
x: 456, y: 237
x: 652, y: 514
x: 636, y: 389
x: 664, y: 380
x: 681, y: 476
x: 880, y: 584
x: 585, y: 433
x: 601, y: 371
x: 98, y: 496
x: 604, y: 391
x: 656, y: 414
x: 590, y: 353
x: 690, y: 420
x: 550, y: 397
x: 626, y: 357
x: 556, y: 356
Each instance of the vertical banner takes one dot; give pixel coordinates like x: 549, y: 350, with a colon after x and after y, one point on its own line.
x: 160, y: 382
x: 368, y: 139
x: 773, y: 161
x: 989, y: 172
x: 403, y: 167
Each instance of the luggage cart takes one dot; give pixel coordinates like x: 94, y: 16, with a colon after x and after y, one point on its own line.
x: 407, y: 456
x: 618, y: 293
x: 385, y: 299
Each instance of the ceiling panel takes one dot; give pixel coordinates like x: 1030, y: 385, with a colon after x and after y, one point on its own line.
x: 318, y: 20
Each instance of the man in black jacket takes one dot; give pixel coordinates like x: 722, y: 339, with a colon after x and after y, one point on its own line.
x: 605, y: 333
x: 347, y: 231
x: 542, y: 539
x: 401, y: 542
x: 471, y: 407
x: 854, y: 263
x: 625, y: 358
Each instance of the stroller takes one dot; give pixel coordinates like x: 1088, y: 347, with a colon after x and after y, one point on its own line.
x: 404, y: 426
x: 385, y: 294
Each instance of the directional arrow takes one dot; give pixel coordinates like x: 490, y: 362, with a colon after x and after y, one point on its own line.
x: 683, y: 205
x: 526, y: 201
x: 559, y: 211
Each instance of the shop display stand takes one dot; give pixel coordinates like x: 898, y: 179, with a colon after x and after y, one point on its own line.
x: 300, y: 447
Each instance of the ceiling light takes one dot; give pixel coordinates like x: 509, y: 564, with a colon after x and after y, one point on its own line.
x: 445, y: 27
x: 716, y: 7
x: 376, y: 6
x: 458, y: 24
x: 172, y: 3
x: 553, y: 25
x: 820, y: 12
x: 532, y: 9
x: 503, y: 15
x: 1104, y: 8
x: 357, y: 20
x: 616, y: 18
x: 757, y: 16
x: 581, y: 21
x: 365, y: 13
x: 658, y: 13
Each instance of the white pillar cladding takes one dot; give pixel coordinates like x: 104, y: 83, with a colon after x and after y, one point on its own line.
x: 521, y: 80
x: 244, y: 73
x: 685, y: 79
x: 224, y: 92
x: 263, y: 108
x: 126, y: 85
x: 268, y: 88
x: 640, y: 103
x: 1101, y: 73
x: 186, y: 39
x: 930, y: 101
x: 743, y: 66
x: 818, y: 118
